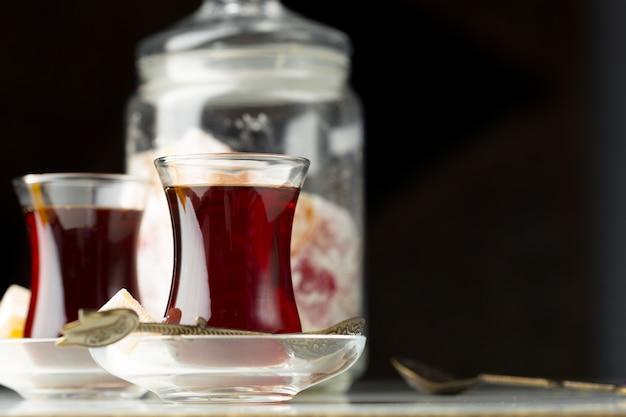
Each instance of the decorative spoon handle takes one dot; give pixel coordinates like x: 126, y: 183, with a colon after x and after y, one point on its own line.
x: 102, y: 328
x: 550, y: 383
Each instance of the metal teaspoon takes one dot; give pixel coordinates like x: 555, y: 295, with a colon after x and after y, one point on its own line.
x: 101, y: 328
x: 431, y: 380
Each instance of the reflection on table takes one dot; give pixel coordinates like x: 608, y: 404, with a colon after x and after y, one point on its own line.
x: 366, y: 398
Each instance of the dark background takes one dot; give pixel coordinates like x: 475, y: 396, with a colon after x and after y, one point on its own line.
x: 481, y: 168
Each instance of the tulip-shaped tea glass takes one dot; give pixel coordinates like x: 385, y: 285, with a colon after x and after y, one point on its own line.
x: 232, y: 217
x: 83, y: 230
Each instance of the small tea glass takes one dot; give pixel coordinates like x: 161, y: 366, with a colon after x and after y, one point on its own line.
x: 83, y: 230
x: 232, y: 217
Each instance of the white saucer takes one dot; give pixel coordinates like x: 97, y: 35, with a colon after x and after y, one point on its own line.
x: 38, y: 369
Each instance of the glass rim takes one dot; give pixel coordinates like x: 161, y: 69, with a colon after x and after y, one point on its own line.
x: 78, y: 177
x: 235, y: 156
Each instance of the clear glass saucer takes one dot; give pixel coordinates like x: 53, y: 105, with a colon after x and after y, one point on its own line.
x: 243, y: 368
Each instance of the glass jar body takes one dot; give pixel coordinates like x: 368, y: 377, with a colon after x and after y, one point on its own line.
x: 251, y: 104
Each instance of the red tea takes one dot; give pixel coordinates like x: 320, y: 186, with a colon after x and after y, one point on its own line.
x: 81, y: 256
x: 232, y: 257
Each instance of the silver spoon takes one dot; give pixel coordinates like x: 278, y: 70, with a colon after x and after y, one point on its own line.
x: 430, y: 380
x: 101, y: 328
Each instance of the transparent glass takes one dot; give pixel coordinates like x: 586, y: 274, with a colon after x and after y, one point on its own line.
x: 83, y: 230
x: 232, y: 217
x: 253, y: 76
x: 230, y: 369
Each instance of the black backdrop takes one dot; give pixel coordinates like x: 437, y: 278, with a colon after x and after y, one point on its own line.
x: 476, y: 160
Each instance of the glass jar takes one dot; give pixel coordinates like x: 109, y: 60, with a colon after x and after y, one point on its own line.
x: 253, y: 76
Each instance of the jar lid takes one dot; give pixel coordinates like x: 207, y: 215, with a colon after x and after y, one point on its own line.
x: 243, y: 24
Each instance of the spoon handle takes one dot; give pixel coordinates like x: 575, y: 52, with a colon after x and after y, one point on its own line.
x: 101, y: 328
x: 550, y: 383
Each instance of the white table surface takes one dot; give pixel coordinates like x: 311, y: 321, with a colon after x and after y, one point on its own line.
x: 366, y: 398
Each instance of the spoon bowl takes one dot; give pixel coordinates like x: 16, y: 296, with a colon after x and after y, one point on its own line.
x: 431, y: 380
